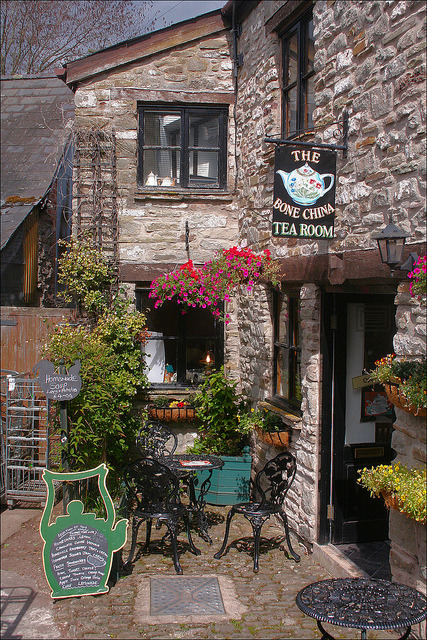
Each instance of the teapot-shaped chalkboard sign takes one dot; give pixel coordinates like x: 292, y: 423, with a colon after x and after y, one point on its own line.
x: 78, y: 547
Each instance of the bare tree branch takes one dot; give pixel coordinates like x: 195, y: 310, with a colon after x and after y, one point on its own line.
x: 39, y: 34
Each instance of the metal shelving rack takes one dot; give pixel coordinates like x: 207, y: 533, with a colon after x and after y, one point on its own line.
x: 25, y: 439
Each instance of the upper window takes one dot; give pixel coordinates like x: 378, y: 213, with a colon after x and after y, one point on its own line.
x: 287, y: 349
x: 298, y: 78
x: 182, y: 147
x: 182, y: 347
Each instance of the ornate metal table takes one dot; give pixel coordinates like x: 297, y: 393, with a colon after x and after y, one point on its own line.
x: 363, y: 604
x: 185, y: 465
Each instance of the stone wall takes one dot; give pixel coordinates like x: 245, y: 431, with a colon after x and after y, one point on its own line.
x: 152, y: 226
x: 370, y: 61
x: 408, y: 538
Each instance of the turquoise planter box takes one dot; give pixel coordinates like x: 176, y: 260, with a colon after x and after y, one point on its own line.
x: 229, y: 485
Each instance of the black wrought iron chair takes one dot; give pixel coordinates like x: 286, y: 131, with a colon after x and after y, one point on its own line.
x: 153, y: 494
x: 271, y: 485
x: 154, y: 440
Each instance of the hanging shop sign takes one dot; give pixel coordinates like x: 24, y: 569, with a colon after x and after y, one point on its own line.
x: 57, y: 385
x: 304, y: 193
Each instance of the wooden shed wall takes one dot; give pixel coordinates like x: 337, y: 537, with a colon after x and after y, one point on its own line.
x: 23, y: 333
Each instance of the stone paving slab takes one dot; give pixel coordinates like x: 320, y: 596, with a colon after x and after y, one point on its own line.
x: 265, y: 602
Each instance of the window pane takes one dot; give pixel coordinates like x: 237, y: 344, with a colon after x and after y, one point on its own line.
x: 204, y: 131
x: 290, y: 99
x: 161, y: 167
x: 203, y: 168
x: 282, y: 372
x: 282, y: 321
x: 310, y: 47
x: 309, y: 103
x: 162, y: 129
x: 291, y: 51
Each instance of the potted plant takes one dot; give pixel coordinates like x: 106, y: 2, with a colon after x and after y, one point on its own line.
x: 268, y: 426
x: 401, y: 488
x: 404, y: 382
x: 218, y: 407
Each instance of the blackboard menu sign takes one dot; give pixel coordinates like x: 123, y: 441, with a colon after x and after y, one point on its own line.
x: 59, y: 386
x: 78, y: 547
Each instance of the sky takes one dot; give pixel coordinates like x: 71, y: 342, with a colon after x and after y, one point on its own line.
x: 167, y: 12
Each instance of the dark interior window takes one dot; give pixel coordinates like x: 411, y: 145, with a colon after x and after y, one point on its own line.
x: 298, y: 77
x: 287, y: 349
x: 182, y: 347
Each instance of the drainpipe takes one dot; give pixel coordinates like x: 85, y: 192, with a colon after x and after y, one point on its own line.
x: 236, y: 64
x: 330, y: 513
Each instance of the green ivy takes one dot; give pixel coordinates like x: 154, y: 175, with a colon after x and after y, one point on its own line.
x: 102, y: 419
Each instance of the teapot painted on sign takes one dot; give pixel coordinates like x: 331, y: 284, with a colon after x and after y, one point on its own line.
x: 304, y: 185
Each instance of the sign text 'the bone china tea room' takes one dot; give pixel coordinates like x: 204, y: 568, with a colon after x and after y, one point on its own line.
x: 304, y: 193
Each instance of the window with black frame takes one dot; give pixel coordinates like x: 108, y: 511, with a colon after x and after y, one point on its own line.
x: 182, y: 347
x: 287, y: 349
x: 298, y: 78
x: 182, y: 147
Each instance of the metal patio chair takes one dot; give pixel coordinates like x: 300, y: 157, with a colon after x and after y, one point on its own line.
x: 154, y: 440
x: 153, y: 494
x: 271, y: 485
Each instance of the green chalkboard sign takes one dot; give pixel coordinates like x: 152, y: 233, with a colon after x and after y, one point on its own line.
x: 78, y: 547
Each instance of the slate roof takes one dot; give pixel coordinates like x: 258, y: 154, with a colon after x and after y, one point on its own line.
x: 36, y: 117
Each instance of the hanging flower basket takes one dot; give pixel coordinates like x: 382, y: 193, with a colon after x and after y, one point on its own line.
x: 392, y: 502
x: 208, y: 285
x: 399, y: 401
x: 279, y: 439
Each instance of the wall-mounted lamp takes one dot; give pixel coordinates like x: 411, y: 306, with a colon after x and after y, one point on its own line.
x: 391, y: 241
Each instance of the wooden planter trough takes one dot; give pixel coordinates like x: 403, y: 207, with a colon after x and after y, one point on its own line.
x: 172, y: 414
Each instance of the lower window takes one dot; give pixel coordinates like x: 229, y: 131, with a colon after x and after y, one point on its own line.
x: 182, y: 347
x: 287, y: 349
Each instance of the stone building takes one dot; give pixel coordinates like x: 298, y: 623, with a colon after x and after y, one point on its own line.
x: 178, y: 134
x: 302, y: 69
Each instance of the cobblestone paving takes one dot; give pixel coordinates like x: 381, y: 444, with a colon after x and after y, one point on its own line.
x: 269, y: 595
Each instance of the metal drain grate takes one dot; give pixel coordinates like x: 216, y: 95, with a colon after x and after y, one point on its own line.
x: 179, y: 595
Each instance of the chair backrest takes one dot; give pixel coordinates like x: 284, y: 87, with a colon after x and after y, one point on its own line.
x: 152, y: 487
x: 155, y: 440
x: 273, y: 481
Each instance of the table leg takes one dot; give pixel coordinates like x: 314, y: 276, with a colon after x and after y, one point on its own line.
x: 325, y: 634
x: 198, y: 505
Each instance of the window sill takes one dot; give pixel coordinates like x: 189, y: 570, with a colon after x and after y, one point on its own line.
x: 291, y: 417
x: 181, y: 195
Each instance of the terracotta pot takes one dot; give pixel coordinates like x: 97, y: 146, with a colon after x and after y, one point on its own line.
x: 279, y: 439
x: 399, y: 401
x: 170, y: 414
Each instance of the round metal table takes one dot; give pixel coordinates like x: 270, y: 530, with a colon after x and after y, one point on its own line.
x: 363, y: 604
x: 185, y: 465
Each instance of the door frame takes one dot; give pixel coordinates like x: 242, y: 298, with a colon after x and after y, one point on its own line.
x: 333, y: 340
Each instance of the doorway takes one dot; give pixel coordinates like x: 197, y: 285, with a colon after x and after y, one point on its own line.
x: 357, y: 418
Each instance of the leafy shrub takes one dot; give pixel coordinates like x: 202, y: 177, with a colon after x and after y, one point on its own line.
x: 101, y: 419
x: 218, y: 407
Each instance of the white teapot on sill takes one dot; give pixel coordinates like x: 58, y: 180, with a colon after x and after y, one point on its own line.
x: 151, y: 180
x: 168, y: 182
